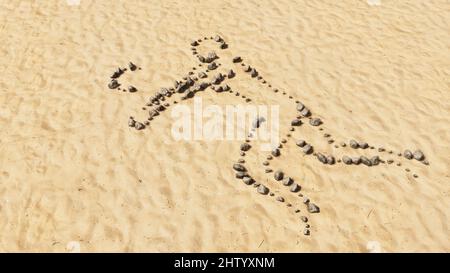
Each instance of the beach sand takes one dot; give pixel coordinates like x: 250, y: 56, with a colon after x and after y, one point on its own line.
x: 75, y: 177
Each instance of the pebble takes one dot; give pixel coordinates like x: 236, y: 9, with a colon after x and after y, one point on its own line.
x: 231, y: 74
x: 305, y: 112
x: 237, y: 59
x: 268, y: 170
x: 113, y: 84
x: 300, y: 143
x: 269, y: 157
x: 354, y: 144
x: 304, y: 219
x: 245, y: 147
x: 363, y: 145
x: 294, y: 188
x: 296, y: 122
x: 265, y: 163
x: 241, y: 160
x: 418, y: 155
x: 366, y: 161
x: 131, y: 122
x: 275, y: 152
x: 239, y: 167
x: 300, y: 106
x: 280, y: 199
x: 139, y: 126
x: 254, y: 73
x: 313, y: 208
x: 347, y: 160
x: 257, y: 122
x: 241, y: 175
x: 132, y: 66
x: 287, y: 181
x: 375, y: 160
x: 330, y: 160
x: 278, y: 175
x: 343, y: 144
x: 408, y: 154
x: 132, y: 89
x: 307, y: 149
x: 305, y: 200
x: 306, y: 232
x: 390, y: 161
x: 218, y: 39
x: 356, y: 160
x: 315, y: 121
x: 202, y: 75
x: 248, y: 180
x: 194, y: 43
x: 263, y: 190
x: 212, y: 66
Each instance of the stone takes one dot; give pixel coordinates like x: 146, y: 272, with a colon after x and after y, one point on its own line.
x: 330, y: 160
x: 237, y: 59
x: 363, y: 145
x: 300, y: 143
x: 287, y: 181
x: 212, y: 66
x: 217, y: 79
x: 241, y: 175
x: 418, y: 155
x: 300, y: 106
x: 275, y: 152
x: 278, y: 175
x: 253, y: 73
x: 117, y: 73
x: 315, y: 121
x: 139, y: 126
x: 280, y: 199
x: 347, y: 160
x: 132, y: 89
x: 408, y: 154
x: 305, y: 200
x: 307, y: 149
x: 132, y: 66
x: 306, y: 232
x: 231, y: 74
x: 239, y: 167
x: 247, y: 68
x: 322, y: 158
x: 194, y: 43
x: 263, y: 190
x: 296, y: 122
x: 356, y: 160
x: 223, y: 45
x: 354, y: 144
x: 294, y: 188
x: 218, y: 39
x: 245, y: 147
x: 305, y: 112
x: 366, y: 161
x: 375, y: 160
x: 304, y: 219
x: 390, y: 161
x: 113, y: 84
x: 313, y: 208
x: 202, y: 75
x: 248, y: 180
x: 131, y: 122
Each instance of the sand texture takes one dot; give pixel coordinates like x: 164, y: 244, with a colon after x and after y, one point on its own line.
x: 75, y: 177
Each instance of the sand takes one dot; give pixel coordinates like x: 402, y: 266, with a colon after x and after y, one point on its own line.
x: 75, y: 177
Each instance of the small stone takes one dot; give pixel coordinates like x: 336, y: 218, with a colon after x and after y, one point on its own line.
x: 297, y: 211
x: 278, y: 175
x: 306, y: 232
x: 305, y: 200
x: 356, y: 160
x: 269, y: 157
x: 132, y: 89
x: 418, y: 155
x: 347, y: 160
x: 268, y: 170
x: 381, y: 149
x: 363, y: 145
x: 254, y: 73
x: 304, y: 219
x: 275, y: 152
x: 366, y: 161
x: 239, y: 167
x: 247, y: 68
x: 272, y: 194
x: 315, y: 121
x: 307, y: 149
x: 306, y: 113
x: 322, y: 158
x: 231, y: 74
x: 375, y: 160
x: 248, y: 180
x: 294, y: 188
x: 113, y: 84
x: 257, y: 122
x: 330, y: 160
x: 241, y: 175
x: 280, y: 199
x: 245, y: 147
x: 202, y: 75
x: 194, y: 43
x: 218, y: 39
x: 408, y: 154
x: 313, y: 208
x: 354, y: 144
x: 139, y: 126
x: 265, y: 163
x: 223, y: 45
x: 237, y: 59
x: 390, y: 161
x: 263, y: 190
x: 287, y: 181
x: 296, y: 122
x: 132, y: 66
x: 343, y: 144
x: 300, y: 106
x: 241, y: 160
x: 131, y: 122
x: 415, y: 176
x: 300, y: 143
x: 212, y: 66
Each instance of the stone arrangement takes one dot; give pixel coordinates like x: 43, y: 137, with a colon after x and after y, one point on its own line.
x: 206, y: 76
